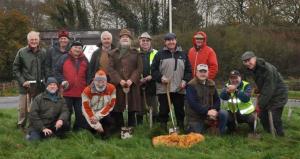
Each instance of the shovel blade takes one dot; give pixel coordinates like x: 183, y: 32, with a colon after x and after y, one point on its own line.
x: 126, y: 132
x: 174, y: 130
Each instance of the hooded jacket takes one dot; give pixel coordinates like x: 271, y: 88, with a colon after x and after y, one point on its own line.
x: 203, y: 55
x: 73, y: 70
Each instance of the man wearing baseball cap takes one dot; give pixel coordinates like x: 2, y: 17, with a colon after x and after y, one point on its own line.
x: 237, y: 93
x: 203, y: 103
x: 273, y: 92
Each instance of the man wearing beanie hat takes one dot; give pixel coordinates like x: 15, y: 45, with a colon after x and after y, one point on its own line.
x: 271, y: 89
x: 98, y: 100
x: 171, y: 67
x: 237, y: 93
x: 201, y: 53
x: 125, y: 69
x: 99, y: 59
x: 49, y: 113
x: 58, y: 49
x: 71, y: 72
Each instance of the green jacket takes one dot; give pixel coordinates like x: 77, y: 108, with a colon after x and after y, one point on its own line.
x: 44, y: 112
x: 29, y: 66
x: 273, y: 92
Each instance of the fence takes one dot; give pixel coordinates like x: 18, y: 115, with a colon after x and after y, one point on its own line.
x: 7, y: 85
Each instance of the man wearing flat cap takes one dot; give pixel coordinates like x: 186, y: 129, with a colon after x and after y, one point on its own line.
x: 171, y: 70
x: 237, y: 93
x: 203, y: 103
x: 272, y: 91
x: 125, y: 69
x: 71, y: 73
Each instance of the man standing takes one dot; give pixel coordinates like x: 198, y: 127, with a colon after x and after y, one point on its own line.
x: 203, y: 54
x: 71, y: 72
x: 56, y: 51
x: 29, y: 71
x: 237, y: 93
x: 98, y: 100
x: 49, y: 113
x: 125, y: 69
x: 203, y: 103
x: 99, y: 59
x: 171, y: 67
x: 273, y: 92
x: 147, y: 83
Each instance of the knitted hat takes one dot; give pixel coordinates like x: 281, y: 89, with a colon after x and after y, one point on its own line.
x: 170, y: 36
x: 125, y: 32
x: 76, y: 43
x: 51, y: 80
x: 63, y: 33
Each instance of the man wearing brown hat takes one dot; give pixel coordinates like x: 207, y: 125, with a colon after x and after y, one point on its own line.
x: 125, y: 69
x: 273, y: 92
x: 56, y: 51
x: 237, y: 93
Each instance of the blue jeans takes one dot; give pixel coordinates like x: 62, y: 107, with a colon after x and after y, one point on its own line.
x: 200, y: 126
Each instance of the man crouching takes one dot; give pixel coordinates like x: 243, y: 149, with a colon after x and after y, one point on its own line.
x: 98, y: 100
x: 49, y: 114
x: 203, y: 103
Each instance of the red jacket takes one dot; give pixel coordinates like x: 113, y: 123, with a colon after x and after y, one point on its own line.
x: 73, y: 70
x: 204, y: 55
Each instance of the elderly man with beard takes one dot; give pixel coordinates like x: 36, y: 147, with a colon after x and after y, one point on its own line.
x: 98, y: 100
x: 203, y: 103
x: 29, y: 71
x: 125, y: 69
x: 99, y: 59
x: 71, y: 72
x: 49, y: 114
x: 237, y: 93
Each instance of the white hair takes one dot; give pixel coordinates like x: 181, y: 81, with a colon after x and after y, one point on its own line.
x: 106, y: 33
x: 33, y: 34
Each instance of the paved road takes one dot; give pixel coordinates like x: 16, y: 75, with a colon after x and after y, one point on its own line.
x: 12, y: 102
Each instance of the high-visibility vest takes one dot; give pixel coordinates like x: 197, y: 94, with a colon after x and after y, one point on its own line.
x: 234, y: 104
x: 152, y: 54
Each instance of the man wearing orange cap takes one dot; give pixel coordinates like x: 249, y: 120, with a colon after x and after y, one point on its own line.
x: 125, y: 69
x: 98, y: 100
x: 200, y: 53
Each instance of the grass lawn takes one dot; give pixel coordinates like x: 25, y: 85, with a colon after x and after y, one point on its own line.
x: 83, y: 145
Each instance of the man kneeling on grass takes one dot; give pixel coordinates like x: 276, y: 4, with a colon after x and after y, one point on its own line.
x: 98, y: 100
x: 203, y: 104
x: 49, y: 114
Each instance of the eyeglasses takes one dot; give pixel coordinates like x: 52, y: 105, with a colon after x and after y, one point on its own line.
x: 145, y: 40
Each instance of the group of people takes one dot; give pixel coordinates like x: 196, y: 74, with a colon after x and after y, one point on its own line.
x: 58, y: 81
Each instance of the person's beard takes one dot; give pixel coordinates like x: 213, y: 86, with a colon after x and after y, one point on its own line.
x: 100, y: 88
x: 51, y: 91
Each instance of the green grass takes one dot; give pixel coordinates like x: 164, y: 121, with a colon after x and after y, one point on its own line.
x: 83, y: 145
x: 9, y: 92
x: 294, y: 94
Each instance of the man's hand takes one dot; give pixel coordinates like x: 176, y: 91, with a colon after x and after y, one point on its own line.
x: 212, y: 113
x: 231, y: 88
x: 93, y: 120
x: 26, y: 84
x: 47, y: 132
x: 129, y: 83
x: 165, y: 80
x: 58, y: 124
x: 65, y: 84
x: 123, y: 83
x: 148, y: 78
x: 143, y: 80
x: 182, y: 84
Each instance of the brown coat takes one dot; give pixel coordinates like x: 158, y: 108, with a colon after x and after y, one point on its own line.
x: 128, y: 66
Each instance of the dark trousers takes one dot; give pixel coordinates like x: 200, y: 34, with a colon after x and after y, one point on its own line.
x: 74, y: 103
x: 241, y: 118
x: 178, y: 102
x: 119, y: 120
x: 264, y: 119
x: 38, y: 135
